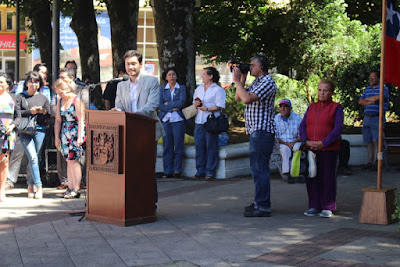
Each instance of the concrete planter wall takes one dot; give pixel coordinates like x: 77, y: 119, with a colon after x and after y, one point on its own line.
x: 234, y: 159
x: 358, y: 151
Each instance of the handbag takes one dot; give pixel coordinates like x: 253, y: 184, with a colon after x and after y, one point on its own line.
x: 189, y: 111
x: 296, y: 163
x: 27, y: 125
x: 217, y: 125
x: 304, y: 162
x: 312, y: 166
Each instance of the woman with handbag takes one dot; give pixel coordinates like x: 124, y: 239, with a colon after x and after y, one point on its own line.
x: 69, y: 132
x: 172, y: 99
x: 208, y: 98
x: 9, y: 117
x: 35, y: 109
x: 320, y: 129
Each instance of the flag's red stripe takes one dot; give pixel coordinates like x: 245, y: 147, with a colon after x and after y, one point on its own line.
x: 392, y: 61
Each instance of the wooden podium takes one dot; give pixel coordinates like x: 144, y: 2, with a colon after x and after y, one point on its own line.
x: 120, y: 168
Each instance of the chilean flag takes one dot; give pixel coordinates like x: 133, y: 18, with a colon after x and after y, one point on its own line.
x: 392, y: 55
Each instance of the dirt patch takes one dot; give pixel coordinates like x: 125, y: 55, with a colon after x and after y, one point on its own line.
x: 237, y: 135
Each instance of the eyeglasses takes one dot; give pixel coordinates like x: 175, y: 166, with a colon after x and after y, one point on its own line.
x: 34, y: 81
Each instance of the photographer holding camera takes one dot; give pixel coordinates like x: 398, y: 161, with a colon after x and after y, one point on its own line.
x: 9, y: 117
x: 259, y: 114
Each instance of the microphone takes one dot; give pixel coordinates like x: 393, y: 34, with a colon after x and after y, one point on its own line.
x: 124, y: 77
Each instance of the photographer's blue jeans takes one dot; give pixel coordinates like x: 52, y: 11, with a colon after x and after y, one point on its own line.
x: 206, y: 150
x: 261, y: 145
x: 32, y: 145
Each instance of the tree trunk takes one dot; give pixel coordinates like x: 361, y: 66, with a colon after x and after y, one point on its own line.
x: 308, y: 91
x: 40, y: 16
x: 123, y: 16
x: 175, y: 41
x: 85, y: 27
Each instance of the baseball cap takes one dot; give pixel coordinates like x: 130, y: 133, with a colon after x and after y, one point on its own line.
x: 285, y: 101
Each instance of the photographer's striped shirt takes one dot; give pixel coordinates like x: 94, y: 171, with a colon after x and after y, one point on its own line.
x: 259, y: 115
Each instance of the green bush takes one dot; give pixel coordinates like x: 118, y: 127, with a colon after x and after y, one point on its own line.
x: 296, y: 91
x: 234, y: 109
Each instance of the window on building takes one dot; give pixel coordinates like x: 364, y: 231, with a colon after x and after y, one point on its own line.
x: 146, y: 41
x: 10, y: 21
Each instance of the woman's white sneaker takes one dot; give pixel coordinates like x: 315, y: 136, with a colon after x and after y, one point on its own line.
x: 326, y: 214
x: 311, y: 212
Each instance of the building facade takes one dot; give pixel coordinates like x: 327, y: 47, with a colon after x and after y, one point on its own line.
x: 8, y: 43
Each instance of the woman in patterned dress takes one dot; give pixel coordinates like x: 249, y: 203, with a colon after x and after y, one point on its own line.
x: 69, y: 131
x: 9, y: 117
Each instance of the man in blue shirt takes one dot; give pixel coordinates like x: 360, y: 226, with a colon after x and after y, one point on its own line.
x: 370, y: 101
x: 287, y: 133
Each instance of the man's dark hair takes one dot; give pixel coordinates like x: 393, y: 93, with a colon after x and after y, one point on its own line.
x: 164, y: 74
x: 377, y: 72
x: 37, y: 66
x: 32, y: 76
x: 70, y: 72
x: 71, y: 62
x: 263, y: 60
x: 213, y: 71
x: 134, y: 53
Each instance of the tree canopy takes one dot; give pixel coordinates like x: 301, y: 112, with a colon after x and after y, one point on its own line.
x: 305, y: 40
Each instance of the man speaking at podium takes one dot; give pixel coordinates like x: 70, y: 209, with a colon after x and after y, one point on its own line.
x: 140, y: 93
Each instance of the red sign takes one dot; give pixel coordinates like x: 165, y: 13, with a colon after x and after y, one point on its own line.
x: 7, y: 41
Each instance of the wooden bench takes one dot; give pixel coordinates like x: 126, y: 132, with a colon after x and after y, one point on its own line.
x: 393, y: 145
x: 392, y: 137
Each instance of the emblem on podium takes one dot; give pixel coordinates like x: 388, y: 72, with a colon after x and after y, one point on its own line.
x: 104, y: 148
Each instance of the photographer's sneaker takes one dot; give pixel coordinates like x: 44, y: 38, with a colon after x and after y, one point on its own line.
x: 311, y: 212
x: 326, y: 214
x: 250, y: 207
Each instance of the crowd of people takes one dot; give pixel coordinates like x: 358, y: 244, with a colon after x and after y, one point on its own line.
x: 34, y: 116
x: 319, y: 130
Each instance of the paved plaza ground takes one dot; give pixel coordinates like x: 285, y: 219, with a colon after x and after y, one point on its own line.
x: 201, y: 224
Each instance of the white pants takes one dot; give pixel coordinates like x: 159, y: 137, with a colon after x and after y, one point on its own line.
x: 286, y: 153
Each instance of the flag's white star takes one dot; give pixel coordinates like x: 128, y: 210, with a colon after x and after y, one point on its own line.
x: 391, y: 13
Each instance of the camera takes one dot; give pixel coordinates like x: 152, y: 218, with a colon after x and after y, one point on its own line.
x: 234, y: 63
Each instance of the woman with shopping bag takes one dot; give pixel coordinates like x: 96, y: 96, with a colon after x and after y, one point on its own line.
x: 320, y: 129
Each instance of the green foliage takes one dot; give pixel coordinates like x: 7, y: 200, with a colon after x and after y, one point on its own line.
x: 234, y: 109
x: 368, y: 12
x: 352, y: 78
x: 229, y: 28
x: 396, y: 214
x: 306, y: 40
x: 293, y: 90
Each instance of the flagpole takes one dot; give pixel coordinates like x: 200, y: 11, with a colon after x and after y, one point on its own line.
x: 381, y: 97
x: 377, y: 205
